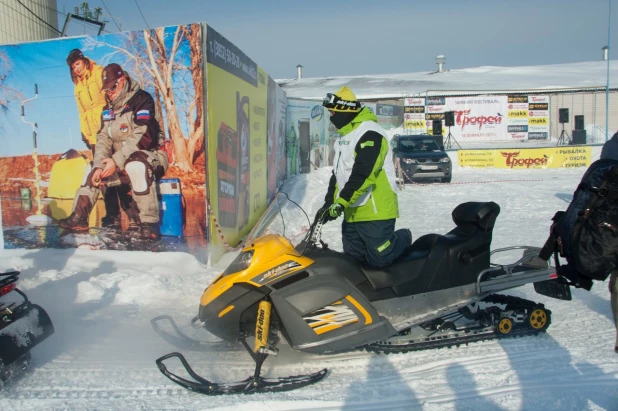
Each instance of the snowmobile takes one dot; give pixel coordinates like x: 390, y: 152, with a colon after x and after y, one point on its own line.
x: 441, y: 292
x: 23, y: 325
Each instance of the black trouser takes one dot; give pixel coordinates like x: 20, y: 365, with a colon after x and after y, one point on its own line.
x: 375, y: 242
x: 613, y: 290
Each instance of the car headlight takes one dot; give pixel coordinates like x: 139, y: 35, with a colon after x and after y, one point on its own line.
x: 445, y: 160
x: 409, y: 161
x: 242, y: 262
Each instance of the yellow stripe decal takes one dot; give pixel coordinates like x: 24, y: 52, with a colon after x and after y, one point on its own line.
x: 227, y: 310
x: 368, y: 319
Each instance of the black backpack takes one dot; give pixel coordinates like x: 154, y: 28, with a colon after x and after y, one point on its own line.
x: 587, y: 232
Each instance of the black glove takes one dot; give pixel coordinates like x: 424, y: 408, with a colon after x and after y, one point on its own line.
x: 324, y: 215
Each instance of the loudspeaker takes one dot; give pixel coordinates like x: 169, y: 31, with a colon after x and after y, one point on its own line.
x: 563, y: 115
x: 449, y: 118
x: 440, y: 140
x: 579, y: 122
x: 437, y: 128
x: 579, y: 136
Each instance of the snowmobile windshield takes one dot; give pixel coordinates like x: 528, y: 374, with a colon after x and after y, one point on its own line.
x: 282, y: 217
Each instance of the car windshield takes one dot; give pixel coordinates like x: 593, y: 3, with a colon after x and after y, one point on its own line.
x: 416, y: 145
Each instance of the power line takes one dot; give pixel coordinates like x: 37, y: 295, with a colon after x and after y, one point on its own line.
x: 140, y: 12
x: 35, y: 15
x: 26, y: 16
x: 110, y: 14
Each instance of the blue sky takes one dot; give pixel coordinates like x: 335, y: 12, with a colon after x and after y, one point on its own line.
x: 55, y: 109
x: 334, y: 38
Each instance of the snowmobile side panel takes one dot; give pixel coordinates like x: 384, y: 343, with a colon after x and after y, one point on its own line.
x: 29, y: 325
x: 223, y: 321
x: 404, y: 312
x: 325, y: 313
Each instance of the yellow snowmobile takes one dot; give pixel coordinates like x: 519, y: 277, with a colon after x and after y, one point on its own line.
x: 440, y: 293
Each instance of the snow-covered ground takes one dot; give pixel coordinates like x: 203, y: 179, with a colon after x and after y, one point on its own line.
x: 101, y: 302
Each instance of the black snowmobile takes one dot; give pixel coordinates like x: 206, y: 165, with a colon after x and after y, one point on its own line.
x: 440, y: 293
x: 22, y: 326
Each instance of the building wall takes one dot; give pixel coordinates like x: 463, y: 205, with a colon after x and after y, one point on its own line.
x: 17, y: 24
x: 590, y: 104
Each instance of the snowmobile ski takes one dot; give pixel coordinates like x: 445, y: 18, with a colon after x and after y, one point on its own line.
x: 250, y: 385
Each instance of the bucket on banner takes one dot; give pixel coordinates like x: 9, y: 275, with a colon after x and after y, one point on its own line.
x: 171, y: 206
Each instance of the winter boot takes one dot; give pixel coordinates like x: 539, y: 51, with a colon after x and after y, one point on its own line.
x: 112, y: 222
x: 150, y: 231
x: 78, y: 220
x: 112, y: 209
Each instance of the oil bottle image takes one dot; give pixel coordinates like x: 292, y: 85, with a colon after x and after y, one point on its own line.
x: 228, y: 175
x: 304, y: 140
x: 244, y: 124
x: 292, y: 149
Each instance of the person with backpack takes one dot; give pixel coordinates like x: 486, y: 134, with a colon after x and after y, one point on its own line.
x: 586, y: 234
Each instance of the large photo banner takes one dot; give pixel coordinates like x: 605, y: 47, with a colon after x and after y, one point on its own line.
x: 129, y: 101
x: 238, y: 147
x: 309, y: 143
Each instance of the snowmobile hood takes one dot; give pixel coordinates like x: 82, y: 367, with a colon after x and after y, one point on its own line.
x: 265, y: 260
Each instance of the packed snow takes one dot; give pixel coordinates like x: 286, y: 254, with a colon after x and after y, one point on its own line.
x: 103, y: 353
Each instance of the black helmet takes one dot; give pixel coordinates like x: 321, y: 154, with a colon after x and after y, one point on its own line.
x: 74, y: 55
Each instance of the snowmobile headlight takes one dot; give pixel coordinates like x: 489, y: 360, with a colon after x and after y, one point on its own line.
x: 241, y: 263
x: 445, y: 160
x: 409, y: 161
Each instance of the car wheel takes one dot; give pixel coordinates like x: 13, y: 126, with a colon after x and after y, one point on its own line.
x: 447, y: 179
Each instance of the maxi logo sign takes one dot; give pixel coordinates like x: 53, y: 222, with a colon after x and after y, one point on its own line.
x: 513, y: 160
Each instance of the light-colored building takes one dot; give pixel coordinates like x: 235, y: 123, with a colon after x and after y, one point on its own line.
x: 28, y: 20
x: 580, y: 87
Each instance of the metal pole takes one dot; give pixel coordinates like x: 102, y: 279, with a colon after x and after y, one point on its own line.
x: 609, y: 25
x: 35, y: 157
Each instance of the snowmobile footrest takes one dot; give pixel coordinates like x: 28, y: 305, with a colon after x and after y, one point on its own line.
x: 250, y: 385
x: 554, y: 288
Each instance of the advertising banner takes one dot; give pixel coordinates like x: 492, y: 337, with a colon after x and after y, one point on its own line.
x: 277, y: 160
x: 414, y: 115
x: 238, y: 143
x: 389, y: 115
x: 152, y: 114
x: 309, y: 145
x: 558, y: 157
x: 528, y: 117
x: 476, y: 118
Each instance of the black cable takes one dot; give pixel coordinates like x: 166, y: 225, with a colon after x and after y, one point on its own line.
x: 298, y: 205
x: 140, y: 12
x: 35, y: 15
x: 110, y: 14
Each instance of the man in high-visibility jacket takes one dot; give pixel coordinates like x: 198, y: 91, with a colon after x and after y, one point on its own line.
x: 363, y: 184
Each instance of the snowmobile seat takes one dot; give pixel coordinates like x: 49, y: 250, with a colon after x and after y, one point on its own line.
x: 435, y: 262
